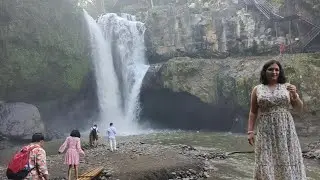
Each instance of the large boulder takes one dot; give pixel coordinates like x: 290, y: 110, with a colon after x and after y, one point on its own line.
x: 20, y: 120
x: 225, y: 86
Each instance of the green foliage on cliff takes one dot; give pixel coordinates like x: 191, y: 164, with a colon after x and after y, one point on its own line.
x: 44, y: 49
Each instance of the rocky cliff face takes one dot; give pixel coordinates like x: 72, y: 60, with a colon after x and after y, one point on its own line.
x: 214, y: 94
x: 205, y: 91
x: 216, y: 28
x: 207, y: 29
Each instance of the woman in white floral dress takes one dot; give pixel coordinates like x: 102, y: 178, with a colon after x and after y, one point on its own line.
x: 277, y: 149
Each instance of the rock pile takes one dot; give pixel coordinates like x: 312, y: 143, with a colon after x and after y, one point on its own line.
x: 315, y: 154
x: 188, y: 175
x: 106, y: 174
x: 87, y: 146
x: 313, y: 151
x: 187, y: 148
x: 212, y: 155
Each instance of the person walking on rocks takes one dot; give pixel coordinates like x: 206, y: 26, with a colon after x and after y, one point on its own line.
x: 111, y: 133
x: 93, y: 137
x: 73, y: 146
x: 277, y: 148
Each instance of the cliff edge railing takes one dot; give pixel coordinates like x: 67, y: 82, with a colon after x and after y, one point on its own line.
x: 271, y: 12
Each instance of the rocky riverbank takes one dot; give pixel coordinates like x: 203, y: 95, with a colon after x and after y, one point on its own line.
x: 170, y: 155
x: 135, y: 159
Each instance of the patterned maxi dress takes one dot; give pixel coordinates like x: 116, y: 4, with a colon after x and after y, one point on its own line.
x: 277, y: 149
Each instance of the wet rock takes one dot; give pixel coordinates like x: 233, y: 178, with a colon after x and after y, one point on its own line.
x: 188, y: 148
x: 172, y: 175
x: 206, y: 175
x: 105, y: 175
x: 313, y: 151
x: 192, y: 171
x: 189, y: 174
x: 212, y: 155
x: 314, y: 154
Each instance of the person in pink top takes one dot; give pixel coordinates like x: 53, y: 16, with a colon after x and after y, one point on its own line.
x: 73, y: 146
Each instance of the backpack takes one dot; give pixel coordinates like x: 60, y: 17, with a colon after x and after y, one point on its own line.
x: 19, y: 166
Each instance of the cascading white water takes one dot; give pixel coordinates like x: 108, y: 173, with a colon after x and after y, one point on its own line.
x: 119, y: 57
x: 107, y: 83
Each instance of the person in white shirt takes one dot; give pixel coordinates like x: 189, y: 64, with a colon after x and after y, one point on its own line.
x: 111, y: 133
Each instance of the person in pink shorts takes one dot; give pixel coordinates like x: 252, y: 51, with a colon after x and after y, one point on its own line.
x: 73, y: 146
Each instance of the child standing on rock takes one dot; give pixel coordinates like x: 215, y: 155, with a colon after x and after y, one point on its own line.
x: 73, y: 146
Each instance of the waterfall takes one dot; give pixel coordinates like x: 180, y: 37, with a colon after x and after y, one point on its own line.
x: 118, y: 53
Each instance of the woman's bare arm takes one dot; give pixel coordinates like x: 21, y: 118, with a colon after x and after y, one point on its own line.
x: 296, y: 103
x: 253, y: 110
x: 295, y: 100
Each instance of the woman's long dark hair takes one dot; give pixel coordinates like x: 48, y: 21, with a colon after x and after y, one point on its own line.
x: 263, y: 76
x: 75, y: 133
